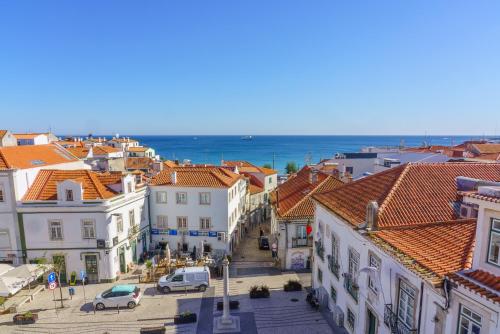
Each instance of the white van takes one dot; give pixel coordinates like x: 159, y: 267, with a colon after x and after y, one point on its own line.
x: 190, y: 278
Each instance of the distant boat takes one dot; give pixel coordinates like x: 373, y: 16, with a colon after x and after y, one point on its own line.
x: 246, y: 138
x: 195, y: 138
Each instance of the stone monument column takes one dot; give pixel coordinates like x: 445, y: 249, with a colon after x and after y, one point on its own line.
x: 227, y: 323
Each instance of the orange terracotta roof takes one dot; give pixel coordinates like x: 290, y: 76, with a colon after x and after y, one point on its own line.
x: 44, y: 188
x: 212, y: 177
x: 138, y: 163
x: 488, y: 157
x: 27, y: 135
x: 137, y: 149
x: 487, y: 148
x: 254, y: 189
x: 123, y: 140
x: 245, y: 166
x: 476, y: 195
x: 2, y: 133
x: 31, y: 156
x: 170, y: 163
x: 79, y: 152
x: 292, y: 199
x: 104, y: 150
x: 479, y: 281
x: 408, y: 194
x: 70, y: 143
x: 440, y: 247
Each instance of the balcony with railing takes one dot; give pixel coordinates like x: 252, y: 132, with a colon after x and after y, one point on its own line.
x: 396, y: 326
x: 301, y: 242
x: 333, y: 266
x: 320, y: 250
x: 351, y: 286
x: 133, y: 230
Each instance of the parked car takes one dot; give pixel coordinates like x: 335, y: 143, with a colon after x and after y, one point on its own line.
x: 126, y: 295
x: 263, y: 243
x: 191, y: 278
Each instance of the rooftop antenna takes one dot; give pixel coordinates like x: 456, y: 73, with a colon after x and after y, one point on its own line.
x: 308, y: 159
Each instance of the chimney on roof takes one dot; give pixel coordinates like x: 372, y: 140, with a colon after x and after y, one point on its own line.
x: 173, y: 177
x: 313, y: 176
x: 372, y: 216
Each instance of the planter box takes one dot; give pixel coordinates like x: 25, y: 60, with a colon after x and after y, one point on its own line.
x: 20, y: 319
x: 292, y: 287
x: 259, y: 294
x: 185, y: 319
x: 233, y: 305
x: 153, y: 330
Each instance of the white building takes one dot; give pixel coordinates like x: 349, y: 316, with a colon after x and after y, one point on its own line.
x: 292, y: 210
x: 140, y: 151
x: 7, y: 138
x: 475, y: 293
x: 35, y: 138
x: 195, y: 205
x: 384, y: 243
x: 123, y: 143
x: 96, y: 222
x: 19, y: 166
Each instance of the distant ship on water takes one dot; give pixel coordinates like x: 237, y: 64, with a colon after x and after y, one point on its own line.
x: 246, y: 138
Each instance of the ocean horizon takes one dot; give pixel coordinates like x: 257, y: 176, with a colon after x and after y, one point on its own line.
x: 277, y: 150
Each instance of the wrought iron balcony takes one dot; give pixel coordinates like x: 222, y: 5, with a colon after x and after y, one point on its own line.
x: 133, y: 230
x: 351, y: 286
x: 301, y: 242
x: 392, y: 321
x: 333, y: 266
x: 320, y: 250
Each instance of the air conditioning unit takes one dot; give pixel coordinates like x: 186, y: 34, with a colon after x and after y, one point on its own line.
x: 101, y: 243
x: 468, y: 211
x: 221, y: 236
x: 108, y: 244
x: 338, y: 316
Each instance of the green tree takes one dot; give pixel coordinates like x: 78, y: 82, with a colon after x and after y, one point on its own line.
x: 267, y: 166
x: 291, y: 167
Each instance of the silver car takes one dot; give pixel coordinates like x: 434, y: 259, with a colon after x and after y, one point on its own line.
x: 118, y: 296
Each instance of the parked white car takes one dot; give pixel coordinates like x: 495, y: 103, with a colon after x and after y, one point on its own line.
x: 118, y: 296
x: 190, y: 278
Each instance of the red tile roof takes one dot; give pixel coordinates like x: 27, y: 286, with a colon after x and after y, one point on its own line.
x: 32, y: 156
x: 138, y: 163
x: 211, y: 177
x: 481, y: 282
x: 94, y: 184
x: 292, y: 199
x: 79, y: 152
x: 440, y: 247
x: 245, y: 166
x: 408, y: 194
x: 104, y: 150
x: 487, y: 148
x: 137, y: 149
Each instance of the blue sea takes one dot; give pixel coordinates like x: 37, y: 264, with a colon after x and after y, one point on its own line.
x: 277, y: 149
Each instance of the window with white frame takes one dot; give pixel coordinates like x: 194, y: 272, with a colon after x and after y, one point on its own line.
x: 143, y: 213
x: 320, y: 275
x: 335, y: 249
x: 161, y: 197
x: 129, y: 187
x: 131, y: 217
x: 88, y: 229
x: 4, y: 239
x: 182, y: 223
x: 351, y: 319
x: 406, y: 304
x: 494, y: 242
x: 205, y: 198
x: 353, y: 264
x: 373, y: 261
x: 181, y: 197
x: 2, y: 195
x: 55, y: 230
x: 205, y: 223
x: 69, y: 195
x: 469, y: 322
x: 162, y: 222
x: 333, y: 294
x: 119, y: 224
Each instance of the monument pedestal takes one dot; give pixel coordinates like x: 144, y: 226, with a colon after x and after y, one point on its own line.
x: 229, y: 325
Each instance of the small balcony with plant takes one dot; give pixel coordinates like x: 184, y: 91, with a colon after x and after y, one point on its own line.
x: 392, y: 321
x: 302, y: 242
x: 351, y: 286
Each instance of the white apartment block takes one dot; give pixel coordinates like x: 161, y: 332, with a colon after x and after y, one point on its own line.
x: 195, y: 206
x: 380, y: 266
x: 19, y: 166
x: 96, y: 222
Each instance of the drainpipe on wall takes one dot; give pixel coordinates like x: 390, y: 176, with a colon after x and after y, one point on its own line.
x: 420, y: 307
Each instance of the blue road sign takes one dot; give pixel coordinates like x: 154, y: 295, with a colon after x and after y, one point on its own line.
x: 82, y: 274
x: 52, y: 277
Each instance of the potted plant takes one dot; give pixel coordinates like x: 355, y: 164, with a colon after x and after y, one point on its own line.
x: 152, y: 330
x: 292, y: 285
x: 185, y: 318
x: 259, y: 291
x: 233, y: 305
x: 25, y: 318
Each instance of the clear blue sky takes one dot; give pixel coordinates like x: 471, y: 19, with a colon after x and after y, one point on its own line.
x: 250, y: 67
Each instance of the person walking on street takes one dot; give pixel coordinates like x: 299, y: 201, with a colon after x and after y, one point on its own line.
x: 261, y: 232
x: 274, y: 249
